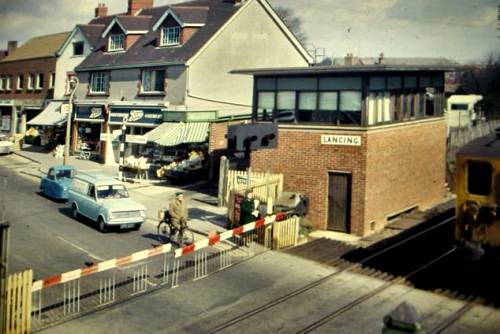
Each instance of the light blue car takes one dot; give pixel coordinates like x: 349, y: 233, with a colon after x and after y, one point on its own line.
x: 105, y: 201
x: 57, y: 182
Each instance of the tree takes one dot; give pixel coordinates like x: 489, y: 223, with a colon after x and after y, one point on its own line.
x: 293, y: 22
x: 486, y: 82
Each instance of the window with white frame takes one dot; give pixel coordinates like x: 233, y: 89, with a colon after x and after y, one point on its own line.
x: 39, y: 81
x: 1, y: 82
x: 99, y: 83
x: 116, y: 42
x: 153, y: 81
x: 52, y: 80
x: 8, y: 82
x: 31, y: 80
x: 170, y: 36
x: 78, y: 48
x: 20, y: 82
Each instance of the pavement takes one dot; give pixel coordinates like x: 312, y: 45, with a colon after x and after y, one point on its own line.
x: 204, y: 214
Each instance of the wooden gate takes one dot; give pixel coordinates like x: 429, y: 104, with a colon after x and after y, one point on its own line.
x: 339, y: 201
x: 18, y: 303
x: 286, y: 233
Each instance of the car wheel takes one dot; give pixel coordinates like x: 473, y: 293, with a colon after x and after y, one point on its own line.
x: 42, y: 191
x: 102, y: 225
x: 74, y: 211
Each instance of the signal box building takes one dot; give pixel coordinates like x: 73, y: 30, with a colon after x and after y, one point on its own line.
x: 365, y: 143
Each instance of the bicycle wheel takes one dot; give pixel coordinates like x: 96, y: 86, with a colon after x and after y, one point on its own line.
x: 185, y: 237
x: 164, y: 232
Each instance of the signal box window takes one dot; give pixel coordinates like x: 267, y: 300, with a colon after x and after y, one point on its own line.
x: 479, y: 177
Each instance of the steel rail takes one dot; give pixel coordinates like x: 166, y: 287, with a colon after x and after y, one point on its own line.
x: 455, y: 316
x: 322, y: 280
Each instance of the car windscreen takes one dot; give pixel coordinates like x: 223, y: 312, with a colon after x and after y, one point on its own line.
x: 67, y: 173
x: 115, y: 191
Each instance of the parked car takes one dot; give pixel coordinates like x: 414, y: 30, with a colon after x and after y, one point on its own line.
x: 57, y: 182
x: 105, y: 201
x: 6, y: 146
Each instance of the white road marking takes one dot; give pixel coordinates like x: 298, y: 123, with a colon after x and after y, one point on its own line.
x: 81, y: 249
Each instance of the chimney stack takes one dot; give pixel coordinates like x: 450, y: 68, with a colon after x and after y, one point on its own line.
x: 11, y: 46
x: 348, y: 60
x: 134, y: 6
x: 101, y: 10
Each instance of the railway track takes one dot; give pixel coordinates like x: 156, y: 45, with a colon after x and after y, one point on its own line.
x: 363, y: 266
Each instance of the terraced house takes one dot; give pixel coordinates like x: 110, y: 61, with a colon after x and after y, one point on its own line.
x: 172, y: 63
x: 34, y: 78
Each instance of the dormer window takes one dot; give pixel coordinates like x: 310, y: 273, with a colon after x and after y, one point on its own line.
x: 116, y: 42
x: 170, y: 36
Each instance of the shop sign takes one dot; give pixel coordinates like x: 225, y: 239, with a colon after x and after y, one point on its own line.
x: 341, y: 140
x: 104, y: 136
x: 136, y: 139
x: 89, y: 113
x: 147, y: 116
x: 64, y: 108
x: 6, y: 123
x: 6, y: 102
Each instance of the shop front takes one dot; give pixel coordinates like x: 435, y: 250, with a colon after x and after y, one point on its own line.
x: 6, y: 107
x: 138, y: 121
x: 48, y: 128
x: 87, y: 127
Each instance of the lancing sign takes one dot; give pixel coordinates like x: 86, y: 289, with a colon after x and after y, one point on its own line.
x: 341, y: 140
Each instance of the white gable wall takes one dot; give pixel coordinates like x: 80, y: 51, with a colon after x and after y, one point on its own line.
x: 251, y: 40
x: 67, y: 63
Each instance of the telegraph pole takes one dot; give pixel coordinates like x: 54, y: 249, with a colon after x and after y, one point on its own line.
x: 4, y: 247
x: 73, y: 83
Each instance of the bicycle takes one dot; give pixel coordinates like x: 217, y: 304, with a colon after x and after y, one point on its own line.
x: 181, y: 236
x: 84, y: 152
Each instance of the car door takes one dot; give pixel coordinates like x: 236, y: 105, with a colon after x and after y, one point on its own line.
x: 92, y: 204
x: 50, y: 182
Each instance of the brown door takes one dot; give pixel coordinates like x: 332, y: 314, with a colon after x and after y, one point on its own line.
x: 339, y: 201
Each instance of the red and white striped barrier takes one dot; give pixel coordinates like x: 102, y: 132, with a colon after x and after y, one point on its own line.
x: 101, y: 266
x: 138, y: 256
x: 228, y: 234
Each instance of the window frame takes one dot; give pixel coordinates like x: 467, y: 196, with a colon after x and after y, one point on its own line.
x: 38, y: 82
x: 52, y: 80
x: 164, y: 36
x: 31, y: 81
x: 113, y: 45
x: 78, y: 44
x: 8, y: 83
x: 19, y: 82
x: 104, y: 83
x: 1, y: 83
x: 154, y: 91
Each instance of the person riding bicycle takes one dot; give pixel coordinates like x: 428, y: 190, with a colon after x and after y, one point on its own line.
x: 178, y: 212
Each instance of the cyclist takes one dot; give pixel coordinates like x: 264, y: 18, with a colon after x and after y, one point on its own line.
x: 178, y: 212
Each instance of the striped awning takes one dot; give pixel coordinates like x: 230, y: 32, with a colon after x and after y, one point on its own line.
x: 51, y: 115
x: 173, y: 134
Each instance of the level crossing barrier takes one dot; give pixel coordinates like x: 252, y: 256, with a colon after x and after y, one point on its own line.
x: 72, y: 294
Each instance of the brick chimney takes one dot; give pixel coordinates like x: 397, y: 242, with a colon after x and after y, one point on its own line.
x: 11, y: 46
x: 101, y: 10
x: 136, y: 5
x: 348, y: 59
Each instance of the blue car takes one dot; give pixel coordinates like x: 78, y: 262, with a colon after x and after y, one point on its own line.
x: 57, y: 182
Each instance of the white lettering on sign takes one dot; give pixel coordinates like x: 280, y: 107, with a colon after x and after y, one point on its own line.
x: 153, y: 116
x: 95, y: 112
x: 341, y: 140
x: 104, y: 136
x: 135, y: 115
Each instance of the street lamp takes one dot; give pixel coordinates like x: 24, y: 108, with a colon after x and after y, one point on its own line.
x: 73, y: 84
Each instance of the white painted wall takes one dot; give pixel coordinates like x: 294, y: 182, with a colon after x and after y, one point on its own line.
x: 251, y: 40
x: 67, y: 63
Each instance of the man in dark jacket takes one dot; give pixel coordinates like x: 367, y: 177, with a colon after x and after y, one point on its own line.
x: 248, y: 209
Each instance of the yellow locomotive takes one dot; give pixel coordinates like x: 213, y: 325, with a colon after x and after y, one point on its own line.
x: 478, y: 193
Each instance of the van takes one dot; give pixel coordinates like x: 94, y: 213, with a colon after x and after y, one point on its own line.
x: 106, y: 202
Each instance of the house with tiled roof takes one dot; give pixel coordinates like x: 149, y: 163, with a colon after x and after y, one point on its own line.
x: 34, y: 78
x: 172, y: 63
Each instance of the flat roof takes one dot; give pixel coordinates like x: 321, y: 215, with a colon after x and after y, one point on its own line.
x: 346, y: 69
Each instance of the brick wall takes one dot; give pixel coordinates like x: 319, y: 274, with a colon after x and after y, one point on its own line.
x: 393, y: 169
x: 305, y: 163
x: 217, y: 145
x: 27, y: 67
x: 406, y: 167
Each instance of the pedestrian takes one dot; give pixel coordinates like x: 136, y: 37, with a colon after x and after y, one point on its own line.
x: 178, y: 211
x: 248, y: 208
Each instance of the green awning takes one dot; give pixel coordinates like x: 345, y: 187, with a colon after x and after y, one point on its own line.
x: 173, y: 134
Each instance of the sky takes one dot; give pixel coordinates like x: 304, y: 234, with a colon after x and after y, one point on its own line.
x: 461, y: 30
